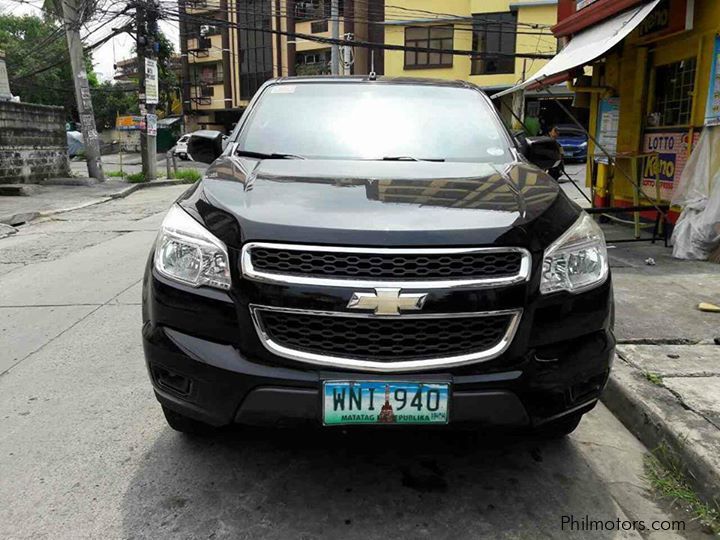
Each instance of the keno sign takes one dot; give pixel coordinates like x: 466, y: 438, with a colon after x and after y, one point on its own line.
x: 670, y: 149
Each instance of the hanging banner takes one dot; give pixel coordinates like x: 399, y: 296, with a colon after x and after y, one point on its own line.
x: 607, y: 128
x: 712, y: 110
x: 152, y: 94
x: 668, y: 164
x: 151, y: 124
x: 129, y: 123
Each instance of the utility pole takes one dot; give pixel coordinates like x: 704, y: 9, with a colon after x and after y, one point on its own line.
x: 146, y: 17
x: 335, y: 50
x: 348, y: 58
x: 91, y: 140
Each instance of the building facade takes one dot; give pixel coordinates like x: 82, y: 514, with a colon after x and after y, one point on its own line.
x: 650, y: 96
x: 359, y: 21
x: 230, y: 48
x: 483, y: 28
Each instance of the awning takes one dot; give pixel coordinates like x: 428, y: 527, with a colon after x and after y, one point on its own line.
x: 585, y: 47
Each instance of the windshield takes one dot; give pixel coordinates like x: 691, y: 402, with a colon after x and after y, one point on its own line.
x: 375, y: 121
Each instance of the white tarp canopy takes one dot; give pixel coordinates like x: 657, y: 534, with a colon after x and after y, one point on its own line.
x: 588, y: 45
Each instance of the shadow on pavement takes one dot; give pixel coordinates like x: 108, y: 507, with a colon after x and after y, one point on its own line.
x: 253, y: 483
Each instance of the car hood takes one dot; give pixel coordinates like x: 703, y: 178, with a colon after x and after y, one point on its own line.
x: 375, y: 202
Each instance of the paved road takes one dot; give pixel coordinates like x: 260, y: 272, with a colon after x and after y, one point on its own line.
x: 85, y: 452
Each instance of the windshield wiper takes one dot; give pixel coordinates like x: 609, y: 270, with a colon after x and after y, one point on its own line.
x: 261, y: 155
x: 407, y: 158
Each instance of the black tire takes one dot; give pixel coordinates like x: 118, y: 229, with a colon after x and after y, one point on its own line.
x: 557, y: 429
x: 184, y: 424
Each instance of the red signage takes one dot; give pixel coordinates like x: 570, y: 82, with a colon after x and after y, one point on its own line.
x: 669, y: 17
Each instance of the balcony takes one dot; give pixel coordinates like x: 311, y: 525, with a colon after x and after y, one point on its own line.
x: 207, y: 96
x: 204, y: 49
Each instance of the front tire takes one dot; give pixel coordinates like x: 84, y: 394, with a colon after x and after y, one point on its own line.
x: 557, y: 429
x: 185, y: 424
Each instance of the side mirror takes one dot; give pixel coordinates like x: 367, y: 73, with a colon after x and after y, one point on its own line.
x: 544, y: 152
x: 205, y: 146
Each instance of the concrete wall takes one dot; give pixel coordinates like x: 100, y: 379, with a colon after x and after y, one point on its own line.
x: 33, y: 144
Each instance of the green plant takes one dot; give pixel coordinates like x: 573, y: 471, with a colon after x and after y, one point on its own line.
x: 667, y: 475
x: 115, y: 174
x: 135, y: 178
x: 654, y: 378
x: 188, y: 176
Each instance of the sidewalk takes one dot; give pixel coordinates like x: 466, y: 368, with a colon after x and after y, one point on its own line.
x: 50, y: 199
x: 665, y: 384
x: 58, y: 195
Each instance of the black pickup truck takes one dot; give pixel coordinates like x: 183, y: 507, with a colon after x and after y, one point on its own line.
x: 377, y: 252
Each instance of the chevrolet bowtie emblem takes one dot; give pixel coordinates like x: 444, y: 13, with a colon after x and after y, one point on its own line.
x: 387, y: 301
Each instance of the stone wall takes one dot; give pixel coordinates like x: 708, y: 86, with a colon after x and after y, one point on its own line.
x: 33, y: 145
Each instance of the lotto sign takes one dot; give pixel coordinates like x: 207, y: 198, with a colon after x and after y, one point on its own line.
x: 670, y: 150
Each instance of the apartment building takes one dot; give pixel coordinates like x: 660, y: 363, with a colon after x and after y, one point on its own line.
x: 229, y: 49
x: 491, y: 30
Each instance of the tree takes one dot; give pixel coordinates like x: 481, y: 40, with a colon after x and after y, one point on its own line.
x: 31, y: 44
x: 111, y: 100
x: 167, y: 76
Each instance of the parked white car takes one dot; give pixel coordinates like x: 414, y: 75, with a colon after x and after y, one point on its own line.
x: 181, y: 147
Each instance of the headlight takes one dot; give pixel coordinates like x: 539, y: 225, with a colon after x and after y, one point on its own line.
x: 577, y: 260
x: 187, y: 252
x: 583, y: 144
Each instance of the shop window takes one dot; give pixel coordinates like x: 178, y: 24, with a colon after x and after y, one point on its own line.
x: 318, y: 27
x: 674, y: 85
x: 494, y: 33
x: 429, y: 37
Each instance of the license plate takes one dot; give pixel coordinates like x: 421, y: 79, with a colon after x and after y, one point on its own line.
x: 373, y: 402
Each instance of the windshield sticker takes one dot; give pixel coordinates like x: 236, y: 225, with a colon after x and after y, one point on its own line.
x: 283, y: 89
x: 495, y: 151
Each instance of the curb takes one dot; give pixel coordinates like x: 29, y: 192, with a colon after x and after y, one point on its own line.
x: 655, y: 416
x: 27, y: 217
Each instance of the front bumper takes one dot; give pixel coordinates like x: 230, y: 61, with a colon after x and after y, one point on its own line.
x: 206, y: 361
x: 215, y: 383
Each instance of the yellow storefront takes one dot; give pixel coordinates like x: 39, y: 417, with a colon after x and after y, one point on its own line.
x: 658, y: 78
